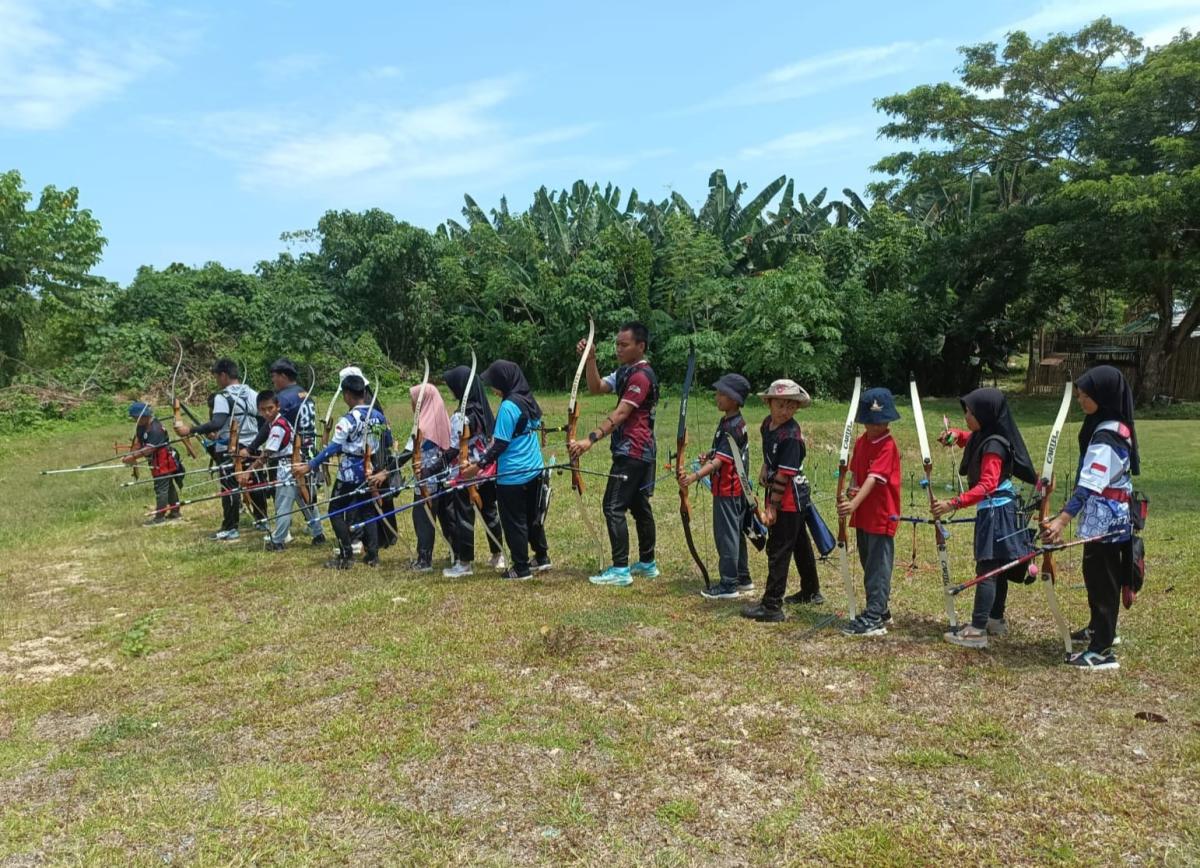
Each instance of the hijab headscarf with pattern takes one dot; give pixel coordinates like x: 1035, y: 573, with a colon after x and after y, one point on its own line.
x: 1108, y: 387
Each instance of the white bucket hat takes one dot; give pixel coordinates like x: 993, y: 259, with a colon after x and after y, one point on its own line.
x: 788, y: 390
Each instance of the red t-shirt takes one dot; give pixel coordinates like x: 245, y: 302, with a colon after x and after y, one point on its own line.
x: 879, y: 459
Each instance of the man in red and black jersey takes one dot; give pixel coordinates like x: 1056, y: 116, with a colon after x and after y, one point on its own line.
x: 634, y: 452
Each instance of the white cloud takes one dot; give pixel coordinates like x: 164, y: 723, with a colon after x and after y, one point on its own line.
x: 374, y: 149
x: 823, y: 72
x: 50, y: 72
x: 1166, y: 32
x: 794, y: 144
x: 1058, y: 15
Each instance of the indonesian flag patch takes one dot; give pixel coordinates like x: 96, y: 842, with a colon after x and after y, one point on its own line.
x: 1098, y: 467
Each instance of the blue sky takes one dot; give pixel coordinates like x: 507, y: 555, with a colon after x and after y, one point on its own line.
x: 202, y: 131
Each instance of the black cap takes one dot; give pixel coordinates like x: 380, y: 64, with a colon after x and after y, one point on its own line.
x: 283, y: 366
x: 735, y: 386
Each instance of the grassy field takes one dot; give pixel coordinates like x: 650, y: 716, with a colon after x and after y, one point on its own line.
x: 164, y: 699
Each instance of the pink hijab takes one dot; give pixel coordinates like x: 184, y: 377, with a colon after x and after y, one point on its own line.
x: 435, y: 424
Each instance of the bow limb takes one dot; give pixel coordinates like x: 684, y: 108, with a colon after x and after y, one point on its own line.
x: 175, y: 404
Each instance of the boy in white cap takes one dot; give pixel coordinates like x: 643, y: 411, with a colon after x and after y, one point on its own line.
x: 787, y: 496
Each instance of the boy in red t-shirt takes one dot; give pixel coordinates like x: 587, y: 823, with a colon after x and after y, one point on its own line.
x: 874, y: 498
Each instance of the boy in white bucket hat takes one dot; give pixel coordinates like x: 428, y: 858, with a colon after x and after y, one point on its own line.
x: 782, y: 476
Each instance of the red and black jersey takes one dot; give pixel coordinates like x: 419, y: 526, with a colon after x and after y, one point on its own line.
x: 783, y: 453
x: 725, y: 481
x: 637, y: 386
x: 163, y: 460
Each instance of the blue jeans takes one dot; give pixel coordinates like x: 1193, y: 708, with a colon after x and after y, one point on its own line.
x: 285, y: 501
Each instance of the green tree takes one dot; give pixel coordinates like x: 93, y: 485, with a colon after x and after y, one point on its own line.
x: 46, y: 257
x: 1061, y: 166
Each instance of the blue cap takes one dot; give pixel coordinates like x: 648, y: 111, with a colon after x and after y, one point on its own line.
x: 138, y: 409
x: 876, y: 407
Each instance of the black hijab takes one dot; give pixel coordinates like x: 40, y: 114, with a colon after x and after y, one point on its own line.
x: 478, y: 410
x: 996, y: 426
x: 1108, y: 387
x: 510, y: 380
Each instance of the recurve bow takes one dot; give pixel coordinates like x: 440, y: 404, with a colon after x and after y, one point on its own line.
x: 464, y: 449
x: 681, y: 440
x: 1045, y: 487
x: 416, y: 445
x: 570, y: 429
x: 843, y: 541
x: 939, y: 532
x: 176, y: 404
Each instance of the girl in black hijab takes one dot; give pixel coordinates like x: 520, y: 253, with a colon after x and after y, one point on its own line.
x: 521, y: 485
x: 993, y: 453
x: 1108, y: 461
x: 479, y: 422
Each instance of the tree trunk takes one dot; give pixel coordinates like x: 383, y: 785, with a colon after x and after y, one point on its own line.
x: 1157, y: 351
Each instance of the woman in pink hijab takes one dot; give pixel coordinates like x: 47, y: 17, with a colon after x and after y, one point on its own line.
x: 430, y: 464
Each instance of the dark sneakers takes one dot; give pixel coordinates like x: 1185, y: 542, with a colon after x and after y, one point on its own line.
x: 762, y: 613
x: 512, y: 575
x: 1093, y: 662
x: 802, y: 598
x: 318, y: 540
x: 339, y: 563
x: 720, y: 592
x: 864, y: 626
x: 274, y: 547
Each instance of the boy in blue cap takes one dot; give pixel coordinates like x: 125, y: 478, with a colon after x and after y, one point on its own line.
x: 874, y: 500
x: 730, y: 507
x: 150, y: 440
